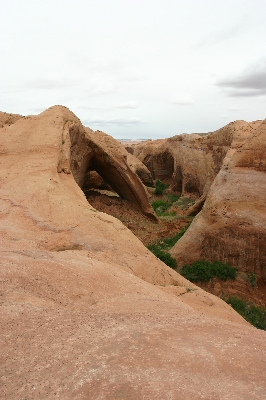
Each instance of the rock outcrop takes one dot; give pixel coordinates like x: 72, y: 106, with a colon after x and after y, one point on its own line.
x: 87, y: 312
x: 232, y: 224
x: 190, y: 162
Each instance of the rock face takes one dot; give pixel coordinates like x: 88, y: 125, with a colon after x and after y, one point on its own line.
x: 94, y: 180
x: 87, y: 312
x: 140, y: 169
x: 232, y: 224
x: 189, y: 163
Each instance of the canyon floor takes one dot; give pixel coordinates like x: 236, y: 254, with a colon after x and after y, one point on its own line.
x: 146, y: 230
x: 149, y: 232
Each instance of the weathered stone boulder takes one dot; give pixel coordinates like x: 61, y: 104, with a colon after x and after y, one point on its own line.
x: 232, y: 224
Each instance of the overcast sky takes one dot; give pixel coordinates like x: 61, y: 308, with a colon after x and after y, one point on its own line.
x: 136, y: 69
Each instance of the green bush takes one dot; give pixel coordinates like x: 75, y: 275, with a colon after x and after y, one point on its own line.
x: 165, y: 257
x: 172, y: 198
x: 161, y: 206
x: 160, y: 187
x: 203, y: 271
x: 253, y: 314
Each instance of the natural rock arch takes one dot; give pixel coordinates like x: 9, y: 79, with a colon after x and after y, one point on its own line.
x: 84, y: 150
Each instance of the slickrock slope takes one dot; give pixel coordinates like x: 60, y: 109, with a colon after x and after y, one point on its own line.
x: 232, y: 224
x: 87, y: 312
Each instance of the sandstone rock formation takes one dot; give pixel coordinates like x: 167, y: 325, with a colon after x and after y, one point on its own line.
x: 232, y: 224
x: 87, y: 312
x: 83, y: 150
x: 189, y: 163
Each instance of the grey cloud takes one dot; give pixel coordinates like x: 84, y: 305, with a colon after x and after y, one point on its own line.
x: 247, y: 93
x: 249, y: 84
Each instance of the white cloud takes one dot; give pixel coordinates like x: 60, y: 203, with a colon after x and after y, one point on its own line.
x: 183, y: 101
x: 50, y: 83
x: 234, y: 108
x: 220, y: 35
x: 125, y: 105
x: 119, y: 121
x: 100, y: 89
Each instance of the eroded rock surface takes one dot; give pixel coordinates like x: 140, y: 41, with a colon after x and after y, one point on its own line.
x: 140, y: 169
x: 190, y: 162
x: 232, y: 224
x: 87, y: 312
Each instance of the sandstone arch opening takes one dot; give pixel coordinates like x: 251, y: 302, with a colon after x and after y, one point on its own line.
x: 96, y: 151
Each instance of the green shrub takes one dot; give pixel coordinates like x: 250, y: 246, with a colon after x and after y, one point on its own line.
x: 161, y: 206
x: 253, y: 314
x: 160, y: 187
x: 165, y: 257
x: 172, y: 198
x: 203, y: 271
